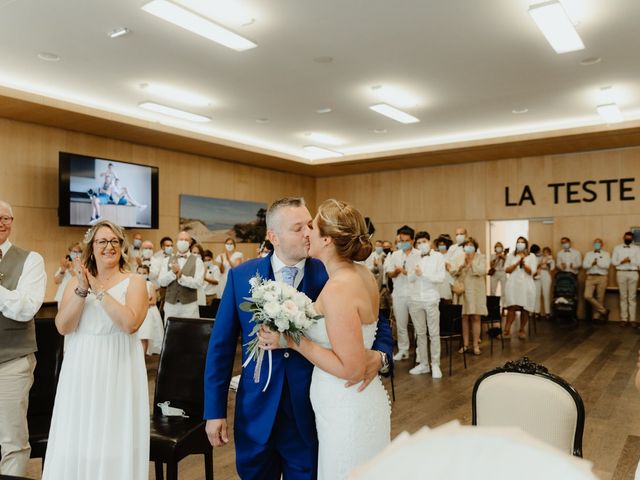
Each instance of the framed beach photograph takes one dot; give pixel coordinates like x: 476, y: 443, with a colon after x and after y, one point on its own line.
x: 215, y: 219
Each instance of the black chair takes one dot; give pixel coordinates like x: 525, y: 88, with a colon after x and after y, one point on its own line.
x: 524, y: 394
x: 180, y: 380
x: 494, y: 315
x: 45, y: 383
x: 450, y: 328
x: 206, y: 311
x: 215, y: 303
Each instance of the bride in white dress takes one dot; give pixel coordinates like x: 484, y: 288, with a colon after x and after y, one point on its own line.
x: 352, y: 426
x: 100, y: 424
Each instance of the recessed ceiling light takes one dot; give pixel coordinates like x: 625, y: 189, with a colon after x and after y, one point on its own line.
x: 519, y: 111
x: 118, y: 32
x: 262, y: 120
x: 590, y: 61
x: 610, y: 113
x: 394, y: 113
x: 49, y: 57
x: 324, y: 138
x: 555, y: 24
x: 197, y: 24
x: 173, y: 112
x: 176, y: 94
x: 318, y: 152
x: 323, y: 59
x: 322, y: 111
x: 380, y: 131
x: 394, y: 96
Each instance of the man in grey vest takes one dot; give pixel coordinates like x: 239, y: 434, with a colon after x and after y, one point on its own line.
x: 22, y: 285
x: 182, y: 273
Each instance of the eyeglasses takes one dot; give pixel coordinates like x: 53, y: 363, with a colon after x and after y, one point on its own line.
x: 102, y: 243
x: 5, y: 220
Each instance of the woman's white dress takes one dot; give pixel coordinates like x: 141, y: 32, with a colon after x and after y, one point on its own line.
x: 352, y: 426
x: 520, y: 288
x: 100, y: 425
x: 152, y: 328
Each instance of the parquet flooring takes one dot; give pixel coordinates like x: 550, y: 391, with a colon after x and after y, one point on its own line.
x: 598, y: 360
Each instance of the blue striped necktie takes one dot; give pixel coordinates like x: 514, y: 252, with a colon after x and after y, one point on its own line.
x: 289, y: 275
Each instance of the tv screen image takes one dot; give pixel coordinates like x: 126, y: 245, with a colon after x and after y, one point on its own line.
x: 93, y: 189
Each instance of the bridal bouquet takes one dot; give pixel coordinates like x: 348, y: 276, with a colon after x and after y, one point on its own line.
x: 280, y: 307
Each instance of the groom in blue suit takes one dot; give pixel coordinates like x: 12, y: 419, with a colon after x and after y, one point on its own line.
x: 274, y: 430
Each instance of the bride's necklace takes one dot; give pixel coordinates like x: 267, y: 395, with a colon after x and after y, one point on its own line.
x: 106, y: 280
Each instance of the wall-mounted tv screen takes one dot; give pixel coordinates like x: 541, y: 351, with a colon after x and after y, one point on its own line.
x: 93, y: 189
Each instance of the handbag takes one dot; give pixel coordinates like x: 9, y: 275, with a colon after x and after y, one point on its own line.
x: 491, y: 271
x: 457, y: 287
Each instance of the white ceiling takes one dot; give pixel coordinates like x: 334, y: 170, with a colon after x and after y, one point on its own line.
x: 468, y: 62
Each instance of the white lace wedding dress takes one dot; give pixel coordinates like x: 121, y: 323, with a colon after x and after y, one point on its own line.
x: 100, y: 425
x: 352, y: 426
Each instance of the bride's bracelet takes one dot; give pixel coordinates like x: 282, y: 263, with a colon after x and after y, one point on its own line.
x: 81, y: 292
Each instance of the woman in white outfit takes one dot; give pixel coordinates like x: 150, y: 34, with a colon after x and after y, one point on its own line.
x: 520, y: 290
x: 66, y: 271
x: 496, y: 269
x: 100, y: 424
x: 352, y: 426
x: 225, y: 261
x: 547, y: 265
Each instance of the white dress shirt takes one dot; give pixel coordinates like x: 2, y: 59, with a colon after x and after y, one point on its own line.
x: 24, y: 302
x: 455, y: 258
x: 213, y: 271
x: 622, y: 251
x: 401, y: 287
x: 424, y: 288
x: 572, y: 258
x: 603, y: 260
x: 167, y: 276
x: 277, y: 265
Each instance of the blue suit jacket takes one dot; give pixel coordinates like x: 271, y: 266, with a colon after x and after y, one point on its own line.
x: 255, y: 411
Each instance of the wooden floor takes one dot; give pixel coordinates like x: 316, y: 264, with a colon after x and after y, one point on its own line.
x: 599, y: 361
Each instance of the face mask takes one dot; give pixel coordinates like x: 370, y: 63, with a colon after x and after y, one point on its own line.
x: 182, y: 245
x: 498, y: 249
x: 442, y: 248
x: 403, y: 245
x: 460, y: 239
x: 147, y: 253
x: 627, y: 241
x: 73, y: 255
x: 386, y: 250
x: 379, y: 250
x: 168, y: 250
x: 469, y: 249
x: 520, y: 246
x: 566, y: 246
x: 229, y: 247
x: 137, y: 242
x: 597, y: 246
x: 424, y: 247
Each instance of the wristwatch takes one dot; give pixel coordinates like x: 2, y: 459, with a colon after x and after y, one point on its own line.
x: 385, y: 362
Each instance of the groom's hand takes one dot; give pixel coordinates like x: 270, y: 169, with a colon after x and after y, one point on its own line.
x: 217, y: 432
x: 374, y: 364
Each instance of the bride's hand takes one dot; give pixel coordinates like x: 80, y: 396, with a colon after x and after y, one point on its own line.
x: 270, y: 340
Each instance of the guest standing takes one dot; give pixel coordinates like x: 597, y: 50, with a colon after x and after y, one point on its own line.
x: 228, y: 260
x: 472, y: 273
x: 497, y: 273
x: 626, y: 259
x: 547, y: 265
x: 22, y: 285
x: 66, y: 270
x: 596, y: 264
x: 520, y: 289
x: 100, y: 424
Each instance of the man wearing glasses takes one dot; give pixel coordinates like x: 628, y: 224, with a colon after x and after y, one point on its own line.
x: 22, y: 285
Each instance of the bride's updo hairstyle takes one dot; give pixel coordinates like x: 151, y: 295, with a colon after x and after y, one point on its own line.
x: 346, y: 227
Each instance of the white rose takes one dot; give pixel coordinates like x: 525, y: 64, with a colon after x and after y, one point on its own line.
x: 269, y: 297
x: 311, y: 310
x: 282, y: 323
x: 276, y: 288
x: 258, y: 293
x: 272, y: 309
x: 290, y: 308
x: 301, y: 301
x: 301, y: 320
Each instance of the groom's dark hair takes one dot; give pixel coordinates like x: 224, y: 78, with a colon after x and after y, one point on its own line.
x: 278, y: 204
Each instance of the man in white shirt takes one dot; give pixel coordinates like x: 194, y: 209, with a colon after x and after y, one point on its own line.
x: 398, y: 265
x: 626, y: 259
x: 136, y: 247
x: 22, y: 286
x: 569, y: 259
x: 596, y: 264
x: 182, y: 274
x: 425, y: 305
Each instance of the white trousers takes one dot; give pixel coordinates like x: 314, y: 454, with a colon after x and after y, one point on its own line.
x: 545, y: 284
x: 628, y: 285
x: 401, y: 314
x: 500, y: 277
x: 16, y: 378
x: 426, y: 315
x: 182, y: 310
